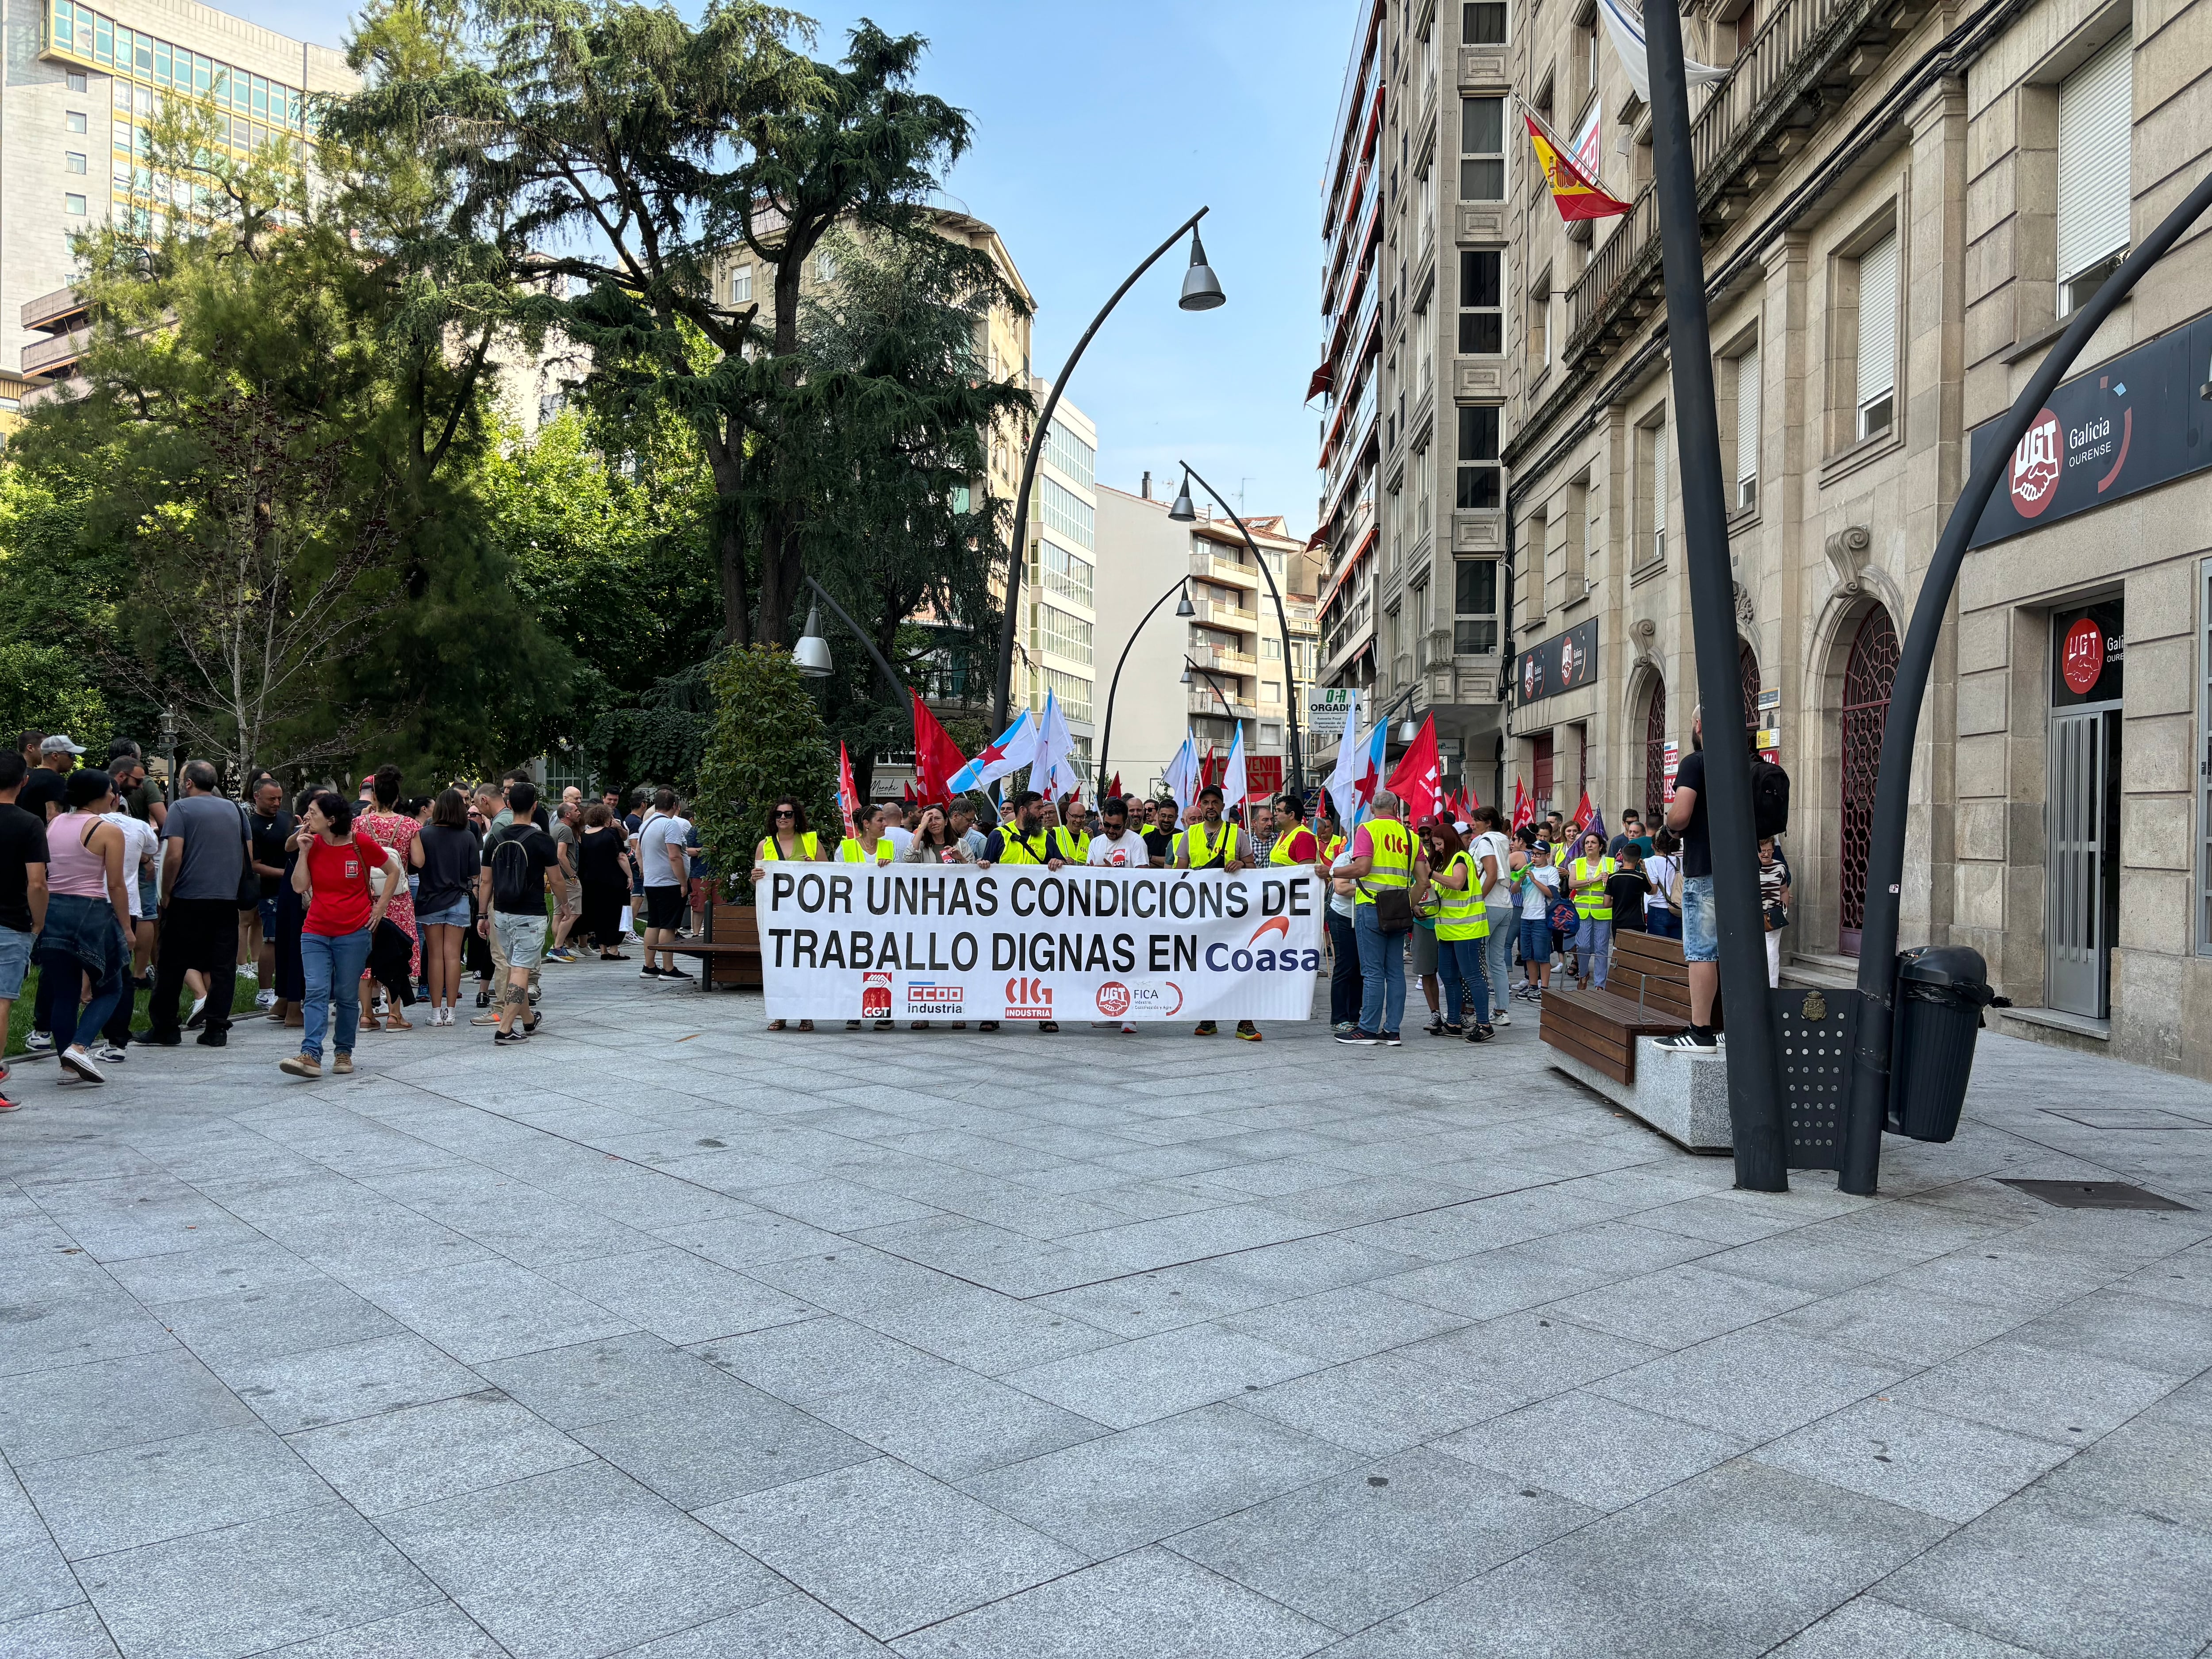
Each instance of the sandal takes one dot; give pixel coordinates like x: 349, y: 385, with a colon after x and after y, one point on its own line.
x: 805, y: 1024
x: 775, y: 1026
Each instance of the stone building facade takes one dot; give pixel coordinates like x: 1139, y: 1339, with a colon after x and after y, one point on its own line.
x: 1902, y: 206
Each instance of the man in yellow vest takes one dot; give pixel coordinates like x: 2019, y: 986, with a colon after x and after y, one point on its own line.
x: 1586, y: 877
x: 1383, y: 859
x: 1295, y: 843
x: 1021, y: 838
x: 1071, y: 835
x: 1213, y: 843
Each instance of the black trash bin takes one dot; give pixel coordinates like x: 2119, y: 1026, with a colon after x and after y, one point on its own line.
x: 1941, y: 990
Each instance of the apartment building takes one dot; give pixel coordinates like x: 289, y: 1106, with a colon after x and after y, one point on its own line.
x: 1902, y: 204
x: 1057, y: 651
x: 1226, y: 667
x: 81, y: 86
x: 1412, y: 375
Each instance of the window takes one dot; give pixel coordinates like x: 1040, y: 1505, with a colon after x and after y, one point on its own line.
x: 1482, y: 23
x: 2096, y: 121
x: 1424, y: 202
x: 1481, y: 300
x: 1271, y: 734
x: 1271, y: 649
x: 550, y: 405
x: 73, y: 205
x: 1064, y: 635
x: 1066, y: 573
x: 73, y: 162
x: 74, y: 120
x: 1747, y: 428
x: 76, y: 82
x: 825, y: 266
x: 741, y: 286
x: 961, y: 498
x: 1474, y: 599
x: 1066, y: 512
x: 1877, y: 357
x: 2204, y: 773
x: 1478, y: 455
x: 1074, y: 457
x: 1539, y: 321
x: 1651, y: 458
x: 1588, y: 42
x: 1270, y: 690
x: 1482, y: 149
x: 1072, y: 692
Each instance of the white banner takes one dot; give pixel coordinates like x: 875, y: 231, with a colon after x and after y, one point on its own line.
x: 1026, y: 942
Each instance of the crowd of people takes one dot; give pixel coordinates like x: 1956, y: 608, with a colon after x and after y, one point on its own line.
x: 345, y: 914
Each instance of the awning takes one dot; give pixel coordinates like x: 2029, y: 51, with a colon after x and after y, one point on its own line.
x: 1345, y: 570
x: 1323, y: 378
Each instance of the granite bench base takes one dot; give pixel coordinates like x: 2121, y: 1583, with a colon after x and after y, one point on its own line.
x: 1683, y: 1095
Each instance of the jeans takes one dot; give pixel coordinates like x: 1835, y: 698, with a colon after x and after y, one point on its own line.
x: 200, y: 934
x: 1460, y: 960
x: 1593, y: 949
x: 1498, y: 954
x: 333, y: 965
x: 1663, y: 923
x: 72, y: 1024
x: 1536, y: 943
x: 1701, y: 938
x: 1343, y: 971
x: 1383, y: 975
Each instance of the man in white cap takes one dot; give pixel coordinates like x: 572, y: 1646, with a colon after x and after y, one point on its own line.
x: 43, y: 790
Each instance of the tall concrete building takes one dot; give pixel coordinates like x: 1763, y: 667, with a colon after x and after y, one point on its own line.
x: 1413, y: 373
x: 1224, y: 667
x: 1057, y: 648
x: 80, y: 86
x: 1902, y: 205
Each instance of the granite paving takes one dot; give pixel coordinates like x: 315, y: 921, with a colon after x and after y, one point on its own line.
x: 667, y: 1336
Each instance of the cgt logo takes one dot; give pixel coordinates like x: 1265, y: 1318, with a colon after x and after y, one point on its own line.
x: 1028, y: 999
x: 1113, y: 999
x: 927, y: 997
x: 2035, y: 464
x: 875, y: 996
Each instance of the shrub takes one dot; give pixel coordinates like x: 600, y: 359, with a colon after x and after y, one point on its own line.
x: 766, y: 740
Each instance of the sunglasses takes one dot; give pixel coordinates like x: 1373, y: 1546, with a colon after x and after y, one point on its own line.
x: 783, y: 812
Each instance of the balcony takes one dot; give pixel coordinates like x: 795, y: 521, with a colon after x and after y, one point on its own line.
x: 63, y: 308
x: 1223, y: 661
x: 1217, y: 615
x: 54, y: 358
x: 1803, y: 65
x: 1204, y: 700
x: 1227, y: 572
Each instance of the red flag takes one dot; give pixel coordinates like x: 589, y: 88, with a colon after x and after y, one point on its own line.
x: 907, y: 794
x: 1584, y: 813
x: 1415, y: 778
x: 1525, y: 809
x: 936, y: 756
x: 848, y: 796
x: 1114, y: 789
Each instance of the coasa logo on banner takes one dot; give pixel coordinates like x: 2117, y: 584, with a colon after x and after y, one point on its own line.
x: 1028, y: 999
x: 2035, y: 464
x: 925, y: 996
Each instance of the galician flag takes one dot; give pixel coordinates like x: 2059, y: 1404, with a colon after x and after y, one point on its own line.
x: 1343, y: 785
x: 1233, y: 786
x: 1181, y: 775
x: 1013, y: 749
x: 1052, y: 769
x: 1623, y: 25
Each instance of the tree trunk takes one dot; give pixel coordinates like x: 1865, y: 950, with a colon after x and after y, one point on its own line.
x: 724, y: 460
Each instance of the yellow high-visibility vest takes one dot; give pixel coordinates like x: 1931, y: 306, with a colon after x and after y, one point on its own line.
x: 771, y: 850
x: 1392, y: 855
x: 1203, y: 857
x: 1596, y: 905
x: 1020, y: 849
x: 850, y: 851
x: 1281, y: 852
x: 1461, y: 914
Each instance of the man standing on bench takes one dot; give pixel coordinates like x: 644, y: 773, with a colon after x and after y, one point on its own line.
x: 1701, y: 941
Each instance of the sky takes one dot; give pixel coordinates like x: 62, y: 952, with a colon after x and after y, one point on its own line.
x: 1099, y: 128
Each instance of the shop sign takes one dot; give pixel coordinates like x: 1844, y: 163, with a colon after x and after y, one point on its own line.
x: 1671, y: 762
x: 1563, y: 663
x: 2088, y: 646
x: 1326, y: 705
x: 2129, y: 425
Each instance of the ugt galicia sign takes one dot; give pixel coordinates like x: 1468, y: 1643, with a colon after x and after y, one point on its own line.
x: 1561, y: 663
x: 1022, y: 942
x: 2137, y: 421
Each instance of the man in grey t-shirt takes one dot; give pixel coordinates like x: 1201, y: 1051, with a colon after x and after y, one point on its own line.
x: 203, y: 861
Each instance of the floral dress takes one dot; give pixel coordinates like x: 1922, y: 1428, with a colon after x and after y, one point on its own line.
x: 396, y: 832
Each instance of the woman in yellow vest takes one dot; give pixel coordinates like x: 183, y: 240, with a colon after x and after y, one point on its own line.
x: 870, y: 845
x: 1462, y: 928
x: 1214, y: 843
x: 1586, y: 879
x: 788, y: 840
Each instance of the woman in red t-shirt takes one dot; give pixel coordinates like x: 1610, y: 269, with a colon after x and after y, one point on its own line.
x: 331, y: 877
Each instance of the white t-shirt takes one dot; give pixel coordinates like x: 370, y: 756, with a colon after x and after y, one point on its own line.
x: 1492, y: 844
x: 1538, y: 891
x: 902, y: 841
x: 1659, y: 869
x: 1127, y: 853
x: 140, y: 841
x: 653, y: 841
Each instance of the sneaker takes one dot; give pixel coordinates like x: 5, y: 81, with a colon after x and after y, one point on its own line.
x: 483, y: 998
x: 301, y: 1066
x: 39, y: 1043
x: 249, y: 972
x: 489, y: 1017
x: 506, y: 1039
x: 1128, y: 1030
x: 676, y: 973
x: 560, y: 953
x: 343, y: 1065
x: 1388, y: 1040
x: 107, y: 1054
x: 76, y: 1059
x: 1206, y: 1028
x: 987, y: 1024
x: 154, y: 1039
x: 264, y: 999
x: 1357, y: 1039
x: 8, y: 1105
x: 1691, y: 1039
x: 198, y: 1016
x: 1479, y: 1034
x: 1343, y: 1028
x: 1047, y: 1025
x: 1247, y: 1031
x: 648, y: 972
x: 214, y: 1039
x: 1501, y: 1017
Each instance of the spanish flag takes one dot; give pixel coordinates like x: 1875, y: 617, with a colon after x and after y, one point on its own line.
x: 1576, y: 193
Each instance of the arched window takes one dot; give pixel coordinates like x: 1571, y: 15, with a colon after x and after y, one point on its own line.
x: 1655, y: 751
x: 1748, y: 665
x: 1867, y: 680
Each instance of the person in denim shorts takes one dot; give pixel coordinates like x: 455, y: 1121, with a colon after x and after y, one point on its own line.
x: 1701, y: 942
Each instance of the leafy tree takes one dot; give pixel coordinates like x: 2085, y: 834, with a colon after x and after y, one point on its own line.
x: 766, y: 740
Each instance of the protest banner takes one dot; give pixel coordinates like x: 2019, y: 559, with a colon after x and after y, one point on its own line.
x: 1026, y: 942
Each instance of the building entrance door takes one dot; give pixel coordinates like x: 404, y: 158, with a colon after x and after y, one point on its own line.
x: 1867, y: 677
x: 2080, y: 912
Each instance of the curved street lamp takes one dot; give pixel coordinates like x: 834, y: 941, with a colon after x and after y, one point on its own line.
x: 1183, y: 512
x: 1201, y: 291
x: 811, y: 653
x: 1184, y: 608
x: 1228, y: 705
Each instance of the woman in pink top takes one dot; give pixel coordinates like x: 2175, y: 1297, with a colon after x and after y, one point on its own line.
x: 393, y: 830
x: 87, y: 930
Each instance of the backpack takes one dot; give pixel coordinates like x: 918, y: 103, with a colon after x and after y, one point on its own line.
x: 1770, y: 797
x: 508, y: 874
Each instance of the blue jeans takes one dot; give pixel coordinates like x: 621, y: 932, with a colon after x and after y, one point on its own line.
x: 1498, y: 955
x: 1383, y: 975
x: 1344, y: 970
x: 73, y: 1023
x: 1701, y: 936
x: 333, y: 966
x: 1663, y: 923
x: 1593, y: 949
x: 1460, y: 960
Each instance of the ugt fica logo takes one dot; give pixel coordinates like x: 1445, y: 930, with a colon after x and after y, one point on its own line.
x: 2037, y: 461
x: 1113, y: 999
x: 1028, y: 999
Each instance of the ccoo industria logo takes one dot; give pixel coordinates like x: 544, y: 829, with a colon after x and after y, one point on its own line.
x: 2037, y: 462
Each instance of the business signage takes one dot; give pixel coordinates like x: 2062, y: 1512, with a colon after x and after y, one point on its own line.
x: 1327, y: 706
x: 2129, y: 425
x: 1563, y: 663
x: 2088, y: 651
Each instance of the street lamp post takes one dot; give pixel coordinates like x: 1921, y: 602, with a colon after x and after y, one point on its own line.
x: 811, y: 653
x: 1183, y: 512
x: 1201, y: 291
x: 1184, y: 608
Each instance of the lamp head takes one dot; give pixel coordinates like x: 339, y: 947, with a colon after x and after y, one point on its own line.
x: 1183, y: 512
x: 1202, y: 288
x: 1183, y: 607
x: 1406, y: 730
x: 1186, y: 673
x: 810, y: 656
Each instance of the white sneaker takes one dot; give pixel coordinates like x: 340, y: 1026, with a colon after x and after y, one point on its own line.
x: 249, y: 972
x: 264, y: 999
x: 76, y: 1059
x: 107, y: 1054
x: 1501, y: 1017
x: 1128, y: 1030
x: 38, y: 1043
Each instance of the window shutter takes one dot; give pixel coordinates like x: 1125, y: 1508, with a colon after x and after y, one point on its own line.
x: 1746, y: 417
x: 1659, y: 478
x: 1877, y: 374
x: 2096, y: 118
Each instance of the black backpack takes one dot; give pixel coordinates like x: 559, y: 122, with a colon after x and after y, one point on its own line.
x: 1770, y: 797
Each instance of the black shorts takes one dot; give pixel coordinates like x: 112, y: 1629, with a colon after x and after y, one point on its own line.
x: 664, y: 907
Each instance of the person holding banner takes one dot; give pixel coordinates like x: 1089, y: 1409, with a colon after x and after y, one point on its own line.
x: 868, y: 844
x: 1295, y: 844
x: 1021, y: 838
x: 1211, y: 844
x: 788, y: 841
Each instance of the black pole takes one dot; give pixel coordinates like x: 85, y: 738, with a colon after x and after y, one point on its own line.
x: 1020, y: 550
x: 1867, y: 1108
x: 1228, y: 707
x: 1282, y: 621
x: 1106, y: 736
x: 1756, y: 1115
x: 898, y: 686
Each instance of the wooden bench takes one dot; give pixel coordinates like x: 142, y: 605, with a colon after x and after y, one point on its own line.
x: 727, y: 945
x: 1647, y: 994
